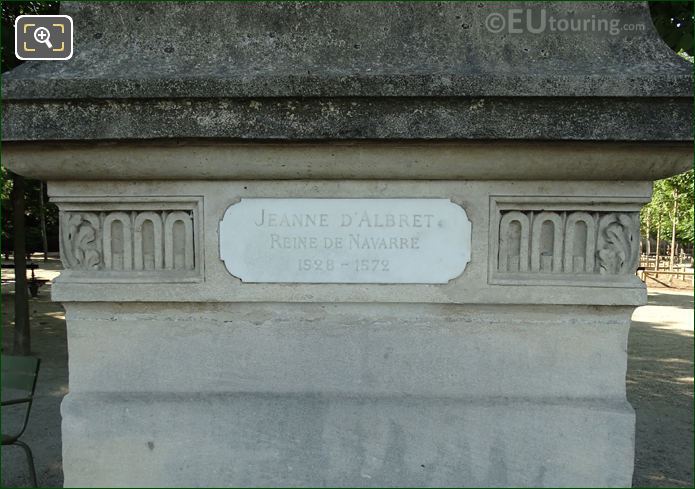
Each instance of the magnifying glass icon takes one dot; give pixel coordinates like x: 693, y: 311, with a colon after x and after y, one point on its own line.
x: 43, y: 36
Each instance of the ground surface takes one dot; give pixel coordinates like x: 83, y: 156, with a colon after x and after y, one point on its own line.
x: 660, y: 388
x: 659, y: 384
x: 50, y: 344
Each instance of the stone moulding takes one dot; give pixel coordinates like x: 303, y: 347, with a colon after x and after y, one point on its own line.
x: 566, y: 241
x: 131, y: 240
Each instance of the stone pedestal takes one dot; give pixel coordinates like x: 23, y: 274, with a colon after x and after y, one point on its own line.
x: 184, y: 372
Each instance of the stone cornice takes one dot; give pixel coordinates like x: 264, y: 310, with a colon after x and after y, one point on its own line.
x: 334, y: 70
x: 404, y: 160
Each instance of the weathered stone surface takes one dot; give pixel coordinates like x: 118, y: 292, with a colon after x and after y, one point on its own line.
x: 377, y: 70
x: 332, y: 441
x: 510, y: 374
x: 368, y: 349
x: 338, y: 49
x: 483, y: 382
x: 580, y: 118
x: 404, y: 160
x: 332, y: 395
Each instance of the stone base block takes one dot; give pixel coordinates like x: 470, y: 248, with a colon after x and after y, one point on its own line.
x: 256, y: 394
x: 270, y: 440
x: 419, y: 350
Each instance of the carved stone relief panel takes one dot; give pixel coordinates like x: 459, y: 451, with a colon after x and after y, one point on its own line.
x: 131, y: 240
x: 563, y: 240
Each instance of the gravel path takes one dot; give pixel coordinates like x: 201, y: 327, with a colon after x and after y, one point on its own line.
x: 660, y: 388
x: 659, y: 384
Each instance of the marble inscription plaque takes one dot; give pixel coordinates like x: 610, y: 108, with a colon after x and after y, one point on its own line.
x: 388, y: 241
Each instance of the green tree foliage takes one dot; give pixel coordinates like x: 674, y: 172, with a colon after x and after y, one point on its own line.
x: 674, y: 22
x: 33, y: 210
x: 672, y: 199
x: 10, y: 11
x: 6, y: 209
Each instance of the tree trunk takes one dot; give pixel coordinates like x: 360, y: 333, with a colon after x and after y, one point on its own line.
x: 42, y: 217
x: 658, y: 243
x: 674, y: 221
x: 22, y: 333
x: 649, y: 245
